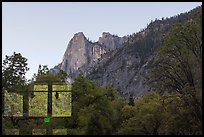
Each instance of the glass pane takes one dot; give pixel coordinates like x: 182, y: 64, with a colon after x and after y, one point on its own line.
x: 59, y: 131
x: 61, y: 105
x: 38, y: 104
x: 11, y: 131
x: 41, y: 87
x: 39, y: 132
x: 13, y: 104
x: 61, y: 87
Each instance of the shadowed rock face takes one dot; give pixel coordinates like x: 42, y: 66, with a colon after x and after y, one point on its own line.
x: 81, y: 53
x: 122, y: 61
x: 109, y: 60
x: 111, y: 42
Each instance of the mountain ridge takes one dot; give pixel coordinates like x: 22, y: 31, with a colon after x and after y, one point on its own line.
x: 121, y: 61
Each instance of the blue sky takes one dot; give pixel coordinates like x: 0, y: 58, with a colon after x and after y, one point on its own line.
x: 41, y: 31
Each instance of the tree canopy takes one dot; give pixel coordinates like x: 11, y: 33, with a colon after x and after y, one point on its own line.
x: 13, y: 72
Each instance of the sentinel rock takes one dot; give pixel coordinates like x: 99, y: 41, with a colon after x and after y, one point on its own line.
x: 75, y: 55
x: 79, y: 53
x: 82, y: 53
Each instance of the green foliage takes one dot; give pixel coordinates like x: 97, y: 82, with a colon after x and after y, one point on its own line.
x: 13, y: 104
x: 131, y: 100
x: 45, y: 76
x: 93, y: 111
x: 59, y: 131
x: 42, y: 70
x: 178, y: 60
x: 143, y: 118
x: 49, y: 77
x: 109, y: 91
x: 61, y: 106
x: 38, y: 104
x: 155, y: 114
x: 13, y: 72
x: 100, y: 111
x: 62, y: 75
x: 12, y: 132
x: 177, y: 68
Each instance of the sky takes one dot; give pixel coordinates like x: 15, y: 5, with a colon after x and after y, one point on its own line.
x: 41, y: 31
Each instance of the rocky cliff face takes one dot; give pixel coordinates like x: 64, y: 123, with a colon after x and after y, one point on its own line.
x: 76, y: 54
x: 123, y: 62
x: 81, y: 53
x: 126, y: 67
x: 111, y: 42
